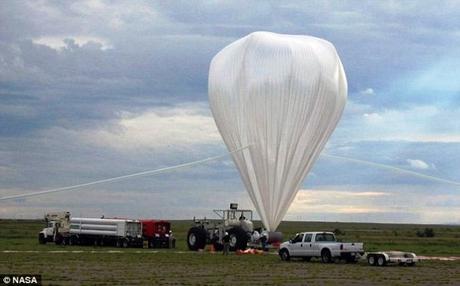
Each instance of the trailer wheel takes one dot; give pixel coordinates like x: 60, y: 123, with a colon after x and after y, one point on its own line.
x: 371, y: 260
x: 41, y: 238
x: 381, y: 261
x: 284, y: 254
x: 326, y: 256
x: 238, y: 238
x: 196, y: 238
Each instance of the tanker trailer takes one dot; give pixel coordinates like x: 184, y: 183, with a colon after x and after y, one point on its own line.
x: 102, y: 231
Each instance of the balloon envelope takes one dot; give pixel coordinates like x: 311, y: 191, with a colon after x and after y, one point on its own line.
x: 283, y: 95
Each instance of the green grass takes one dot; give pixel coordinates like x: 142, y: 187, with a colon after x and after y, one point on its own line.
x: 167, y: 267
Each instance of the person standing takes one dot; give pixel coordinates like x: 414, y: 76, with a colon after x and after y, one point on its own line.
x: 226, y: 241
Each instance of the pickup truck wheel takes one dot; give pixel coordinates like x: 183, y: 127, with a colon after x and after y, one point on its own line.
x: 284, y: 254
x: 371, y: 260
x: 381, y: 261
x: 326, y: 256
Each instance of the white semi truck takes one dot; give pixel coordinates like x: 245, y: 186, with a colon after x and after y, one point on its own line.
x: 57, y: 228
x: 61, y: 229
x: 320, y: 244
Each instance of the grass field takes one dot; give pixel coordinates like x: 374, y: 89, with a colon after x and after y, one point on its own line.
x: 78, y: 265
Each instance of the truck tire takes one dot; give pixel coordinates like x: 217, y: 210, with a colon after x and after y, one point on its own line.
x: 118, y: 243
x: 41, y: 238
x: 381, y: 261
x: 217, y: 246
x: 125, y: 243
x: 284, y: 255
x: 326, y: 256
x: 58, y: 239
x: 196, y: 238
x: 371, y: 260
x: 238, y: 238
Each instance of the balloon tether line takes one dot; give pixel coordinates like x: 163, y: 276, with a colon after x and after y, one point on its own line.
x: 392, y: 168
x: 144, y: 173
x: 202, y: 161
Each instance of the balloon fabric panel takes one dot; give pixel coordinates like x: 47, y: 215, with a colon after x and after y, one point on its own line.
x: 283, y: 95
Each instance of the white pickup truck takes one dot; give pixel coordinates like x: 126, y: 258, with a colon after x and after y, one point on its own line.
x: 320, y: 244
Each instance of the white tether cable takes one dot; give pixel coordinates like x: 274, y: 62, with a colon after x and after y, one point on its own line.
x: 190, y: 164
x: 392, y: 168
x: 144, y: 173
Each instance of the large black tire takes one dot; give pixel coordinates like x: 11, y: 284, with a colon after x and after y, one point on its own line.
x: 381, y: 261
x: 326, y: 256
x: 125, y: 243
x: 41, y: 238
x: 372, y: 260
x: 284, y: 254
x: 196, y: 238
x: 73, y: 240
x: 217, y: 246
x: 58, y: 239
x: 238, y: 238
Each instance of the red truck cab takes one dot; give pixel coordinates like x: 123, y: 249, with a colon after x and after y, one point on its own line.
x: 158, y: 233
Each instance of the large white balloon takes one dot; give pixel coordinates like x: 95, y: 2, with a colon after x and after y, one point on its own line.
x: 283, y: 95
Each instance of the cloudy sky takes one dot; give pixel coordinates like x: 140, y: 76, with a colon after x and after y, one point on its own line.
x: 97, y: 89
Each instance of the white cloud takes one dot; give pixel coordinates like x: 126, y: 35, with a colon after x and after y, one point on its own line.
x: 408, y: 204
x: 161, y: 127
x: 367, y: 92
x: 373, y: 117
x: 425, y: 123
x: 60, y: 42
x: 418, y: 164
x: 335, y: 201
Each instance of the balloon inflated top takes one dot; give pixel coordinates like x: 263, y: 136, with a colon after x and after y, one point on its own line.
x: 283, y: 95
